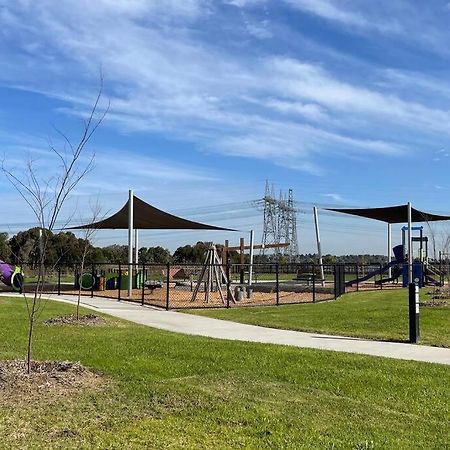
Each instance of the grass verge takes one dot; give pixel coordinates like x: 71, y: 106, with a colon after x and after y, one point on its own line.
x: 377, y: 315
x: 168, y: 390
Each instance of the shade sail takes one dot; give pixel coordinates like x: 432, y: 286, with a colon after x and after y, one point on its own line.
x: 391, y: 214
x: 147, y: 217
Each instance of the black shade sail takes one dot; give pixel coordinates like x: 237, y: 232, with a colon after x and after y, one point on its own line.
x: 391, y: 214
x: 147, y: 217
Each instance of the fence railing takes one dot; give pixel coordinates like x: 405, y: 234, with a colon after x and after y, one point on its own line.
x: 179, y: 286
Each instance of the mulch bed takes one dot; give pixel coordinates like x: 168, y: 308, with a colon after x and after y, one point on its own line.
x: 48, y: 379
x: 71, y: 319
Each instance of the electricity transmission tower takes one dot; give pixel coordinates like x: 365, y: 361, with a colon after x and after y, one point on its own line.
x: 280, y: 222
x: 283, y: 222
x: 291, y: 227
x: 270, y: 218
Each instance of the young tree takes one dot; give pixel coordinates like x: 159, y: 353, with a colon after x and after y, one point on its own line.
x: 86, y: 248
x: 46, y: 194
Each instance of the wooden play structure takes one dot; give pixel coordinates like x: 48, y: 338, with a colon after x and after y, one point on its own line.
x: 213, y: 277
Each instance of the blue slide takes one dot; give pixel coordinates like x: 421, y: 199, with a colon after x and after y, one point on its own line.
x: 372, y: 274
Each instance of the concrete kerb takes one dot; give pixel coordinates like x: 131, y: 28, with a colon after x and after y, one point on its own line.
x: 222, y: 329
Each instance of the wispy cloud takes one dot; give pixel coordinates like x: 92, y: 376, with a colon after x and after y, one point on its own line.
x: 335, y: 197
x: 338, y: 11
x: 167, y: 79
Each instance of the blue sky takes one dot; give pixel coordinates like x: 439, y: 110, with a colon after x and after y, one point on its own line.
x: 347, y: 102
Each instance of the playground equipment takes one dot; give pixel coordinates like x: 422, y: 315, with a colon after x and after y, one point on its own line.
x: 108, y: 280
x: 212, y: 276
x: 423, y: 273
x: 11, y: 276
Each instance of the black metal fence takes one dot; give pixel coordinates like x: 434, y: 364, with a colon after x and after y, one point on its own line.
x: 178, y: 286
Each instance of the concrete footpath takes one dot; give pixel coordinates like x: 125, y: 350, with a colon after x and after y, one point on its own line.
x: 222, y: 329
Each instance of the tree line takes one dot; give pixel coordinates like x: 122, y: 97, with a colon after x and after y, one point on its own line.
x: 66, y: 250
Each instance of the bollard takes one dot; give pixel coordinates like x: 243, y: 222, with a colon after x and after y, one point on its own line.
x: 414, y: 331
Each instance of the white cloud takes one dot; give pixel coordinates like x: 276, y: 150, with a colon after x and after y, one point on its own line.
x: 260, y: 30
x: 335, y: 197
x: 243, y: 3
x: 165, y: 79
x: 335, y: 11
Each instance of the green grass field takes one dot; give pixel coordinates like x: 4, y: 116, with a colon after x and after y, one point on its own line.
x: 168, y: 390
x: 375, y: 314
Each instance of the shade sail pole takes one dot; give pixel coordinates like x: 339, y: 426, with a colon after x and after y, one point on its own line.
x: 319, y: 246
x: 136, y: 247
x: 410, y: 256
x: 389, y: 246
x: 130, y: 243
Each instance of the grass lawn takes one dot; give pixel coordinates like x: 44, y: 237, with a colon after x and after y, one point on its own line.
x: 168, y: 390
x: 376, y: 314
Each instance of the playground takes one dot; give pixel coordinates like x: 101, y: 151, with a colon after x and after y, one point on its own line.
x: 218, y: 283
x: 138, y: 384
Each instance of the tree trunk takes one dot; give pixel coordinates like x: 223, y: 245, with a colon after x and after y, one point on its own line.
x: 30, y: 341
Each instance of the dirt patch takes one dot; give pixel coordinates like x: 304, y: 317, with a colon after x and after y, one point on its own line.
x: 436, y: 302
x: 71, y: 319
x: 47, y: 380
x: 438, y: 297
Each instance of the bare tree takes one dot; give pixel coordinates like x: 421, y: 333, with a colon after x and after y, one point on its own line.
x: 88, y: 234
x: 46, y: 194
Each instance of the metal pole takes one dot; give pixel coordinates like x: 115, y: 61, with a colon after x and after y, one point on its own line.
x: 228, y: 274
x: 319, y: 246
x: 130, y: 242
x: 119, y: 282
x: 168, y: 287
x: 410, y: 256
x: 143, y: 285
x: 250, y: 269
x: 136, y: 247
x: 414, y: 331
x: 357, y: 277
x: 93, y: 281
x: 389, y: 247
x: 381, y: 277
x: 314, y: 283
x: 242, y: 246
x: 277, y: 269
x: 136, y: 258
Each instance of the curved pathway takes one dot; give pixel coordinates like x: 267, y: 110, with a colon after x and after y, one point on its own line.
x: 222, y: 329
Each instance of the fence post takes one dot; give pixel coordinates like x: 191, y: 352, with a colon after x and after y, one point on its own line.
x: 314, y: 282
x: 357, y: 277
x: 381, y: 278
x: 142, y: 283
x: 93, y: 281
x: 335, y: 284
x: 168, y: 288
x: 277, y: 271
x: 119, y: 282
x: 228, y: 281
x: 59, y: 280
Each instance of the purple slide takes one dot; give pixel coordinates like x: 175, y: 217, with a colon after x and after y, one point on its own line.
x: 11, y: 275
